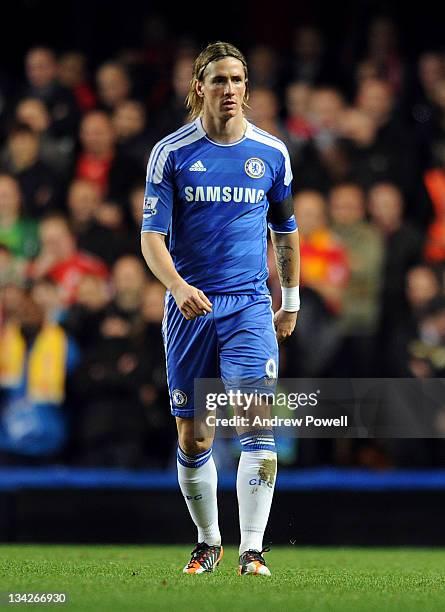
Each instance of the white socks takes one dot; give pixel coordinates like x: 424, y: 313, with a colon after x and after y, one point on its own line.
x: 198, y: 481
x: 255, y: 485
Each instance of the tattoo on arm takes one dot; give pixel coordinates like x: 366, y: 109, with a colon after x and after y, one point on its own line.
x: 283, y: 256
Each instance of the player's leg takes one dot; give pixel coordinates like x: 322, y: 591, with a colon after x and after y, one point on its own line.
x: 255, y: 486
x: 198, y: 480
x: 191, y: 353
x: 249, y: 353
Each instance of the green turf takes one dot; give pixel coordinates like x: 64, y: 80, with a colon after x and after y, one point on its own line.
x: 115, y: 578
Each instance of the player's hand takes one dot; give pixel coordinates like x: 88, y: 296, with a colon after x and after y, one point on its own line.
x: 192, y: 302
x: 284, y: 323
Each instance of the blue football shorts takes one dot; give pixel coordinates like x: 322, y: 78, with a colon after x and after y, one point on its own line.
x: 235, y: 342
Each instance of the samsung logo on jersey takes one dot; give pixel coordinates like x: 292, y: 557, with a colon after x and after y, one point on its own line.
x: 223, y: 194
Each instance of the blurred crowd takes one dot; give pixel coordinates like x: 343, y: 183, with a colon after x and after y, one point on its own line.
x: 81, y: 359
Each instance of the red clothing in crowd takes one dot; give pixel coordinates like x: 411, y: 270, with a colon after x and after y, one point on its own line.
x: 95, y: 170
x: 324, y: 261
x: 85, y: 97
x: 435, y: 242
x: 68, y: 273
x: 300, y: 127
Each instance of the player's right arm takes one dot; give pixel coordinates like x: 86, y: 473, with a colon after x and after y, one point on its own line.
x: 158, y: 206
x: 192, y: 302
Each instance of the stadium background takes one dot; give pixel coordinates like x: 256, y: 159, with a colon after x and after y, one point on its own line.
x: 358, y: 94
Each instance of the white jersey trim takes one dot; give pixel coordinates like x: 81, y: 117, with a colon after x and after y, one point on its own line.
x: 158, y: 146
x: 181, y: 138
x: 220, y: 144
x: 271, y: 141
x: 153, y: 231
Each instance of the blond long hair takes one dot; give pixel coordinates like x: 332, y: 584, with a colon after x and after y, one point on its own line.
x: 212, y: 53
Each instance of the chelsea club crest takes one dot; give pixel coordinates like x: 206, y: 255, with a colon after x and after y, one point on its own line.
x: 179, y: 398
x: 255, y: 167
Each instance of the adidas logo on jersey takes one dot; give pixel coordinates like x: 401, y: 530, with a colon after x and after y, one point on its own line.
x: 198, y: 167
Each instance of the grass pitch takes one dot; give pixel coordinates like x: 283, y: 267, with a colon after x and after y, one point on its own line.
x: 118, y: 578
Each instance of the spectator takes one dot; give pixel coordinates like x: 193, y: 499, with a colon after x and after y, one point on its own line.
x: 72, y: 75
x: 308, y: 62
x: 382, y: 50
x: 321, y: 162
x: 360, y: 313
x: 430, y: 72
x: 37, y: 182
x: 264, y: 112
x: 113, y: 85
x: 111, y: 377
x: 394, y: 142
x: 297, y: 111
x: 403, y: 250
x: 84, y: 206
x: 365, y: 70
x: 57, y: 153
x: 362, y: 153
x: 134, y: 141
x: 264, y: 70
x: 375, y: 97
x: 47, y: 295
x: 421, y: 286
x: 36, y: 357
x: 324, y: 259
x: 83, y: 318
x: 372, y: 159
x: 42, y: 82
x: 326, y: 104
x: 99, y: 161
x: 60, y: 259
x: 128, y: 280
x: 18, y: 233
x: 427, y: 350
x: 174, y: 112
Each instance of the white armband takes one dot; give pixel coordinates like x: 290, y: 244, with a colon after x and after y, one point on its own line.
x: 290, y: 298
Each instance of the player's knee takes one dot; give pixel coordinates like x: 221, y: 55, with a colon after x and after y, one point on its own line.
x: 191, y: 440
x: 192, y: 446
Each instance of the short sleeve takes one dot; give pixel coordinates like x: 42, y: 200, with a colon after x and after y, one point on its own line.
x: 281, y: 188
x: 159, y: 190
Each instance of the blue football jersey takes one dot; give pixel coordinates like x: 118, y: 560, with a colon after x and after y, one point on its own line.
x: 212, y: 199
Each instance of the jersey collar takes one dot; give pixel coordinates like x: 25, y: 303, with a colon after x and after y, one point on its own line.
x: 203, y: 133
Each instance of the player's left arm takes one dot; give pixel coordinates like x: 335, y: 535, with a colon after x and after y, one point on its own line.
x: 286, y: 245
x: 286, y: 248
